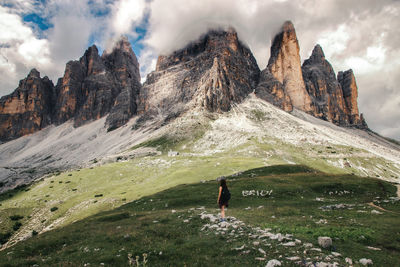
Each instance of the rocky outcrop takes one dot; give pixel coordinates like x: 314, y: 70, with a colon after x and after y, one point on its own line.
x: 28, y: 108
x: 214, y: 72
x: 284, y: 64
x: 350, y: 94
x: 271, y: 90
x: 95, y: 86
x: 122, y: 62
x: 323, y: 88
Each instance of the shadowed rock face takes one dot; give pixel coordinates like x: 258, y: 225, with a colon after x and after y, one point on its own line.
x: 213, y: 72
x: 325, y: 91
x: 95, y: 86
x: 271, y: 90
x: 284, y: 64
x: 28, y: 108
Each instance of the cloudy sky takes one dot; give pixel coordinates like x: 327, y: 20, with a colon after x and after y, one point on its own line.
x: 362, y: 35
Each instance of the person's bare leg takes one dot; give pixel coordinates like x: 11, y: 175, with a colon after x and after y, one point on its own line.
x: 223, y: 212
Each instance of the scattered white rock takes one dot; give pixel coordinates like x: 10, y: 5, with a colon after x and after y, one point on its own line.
x: 294, y: 258
x: 173, y: 211
x: 365, y: 261
x: 324, y: 241
x: 239, y: 248
x: 336, y: 254
x: 349, y: 261
x: 260, y: 259
x: 256, y: 243
x: 273, y: 263
x: 262, y: 251
x: 376, y: 212
x: 372, y: 248
x: 316, y: 249
x: 186, y: 221
x: 289, y: 244
x: 308, y: 245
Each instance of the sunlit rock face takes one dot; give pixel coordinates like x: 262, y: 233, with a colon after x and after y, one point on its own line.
x: 28, y: 109
x: 285, y: 66
x: 350, y: 94
x: 213, y: 73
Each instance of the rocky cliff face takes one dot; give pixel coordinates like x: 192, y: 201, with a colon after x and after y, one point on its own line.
x: 325, y: 91
x: 92, y: 87
x: 284, y: 64
x: 28, y: 108
x: 350, y: 94
x: 334, y: 100
x: 95, y: 86
x: 213, y: 72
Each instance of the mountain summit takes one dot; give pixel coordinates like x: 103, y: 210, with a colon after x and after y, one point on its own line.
x: 213, y: 73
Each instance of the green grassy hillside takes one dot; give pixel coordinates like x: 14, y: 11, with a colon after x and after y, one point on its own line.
x: 290, y: 207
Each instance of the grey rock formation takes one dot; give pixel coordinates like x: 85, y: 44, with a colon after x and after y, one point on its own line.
x: 28, y: 108
x: 213, y: 72
x: 96, y: 86
x: 325, y: 91
x: 271, y: 90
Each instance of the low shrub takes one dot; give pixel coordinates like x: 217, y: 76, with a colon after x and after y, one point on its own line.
x: 4, y: 237
x: 16, y: 226
x: 16, y: 217
x: 53, y: 209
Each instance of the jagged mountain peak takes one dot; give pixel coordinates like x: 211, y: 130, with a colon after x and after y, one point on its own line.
x: 214, y: 41
x: 34, y: 73
x: 287, y: 26
x: 284, y: 64
x: 212, y: 72
x: 317, y: 53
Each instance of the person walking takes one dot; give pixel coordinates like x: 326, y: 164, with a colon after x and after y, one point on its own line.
x: 223, y: 198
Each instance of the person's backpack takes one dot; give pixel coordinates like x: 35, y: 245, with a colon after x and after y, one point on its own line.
x: 225, y: 194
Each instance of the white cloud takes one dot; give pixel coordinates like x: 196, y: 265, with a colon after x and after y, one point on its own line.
x: 125, y: 16
x: 20, y: 50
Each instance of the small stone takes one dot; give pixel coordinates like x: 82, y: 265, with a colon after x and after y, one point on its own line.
x: 260, y: 259
x: 289, y: 244
x: 372, y: 248
x: 239, y: 248
x: 376, y: 212
x: 186, y: 221
x: 336, y: 254
x: 324, y: 241
x: 173, y: 211
x: 308, y: 245
x: 256, y: 243
x: 295, y: 258
x: 349, y: 261
x: 273, y: 263
x: 262, y: 251
x: 365, y: 261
